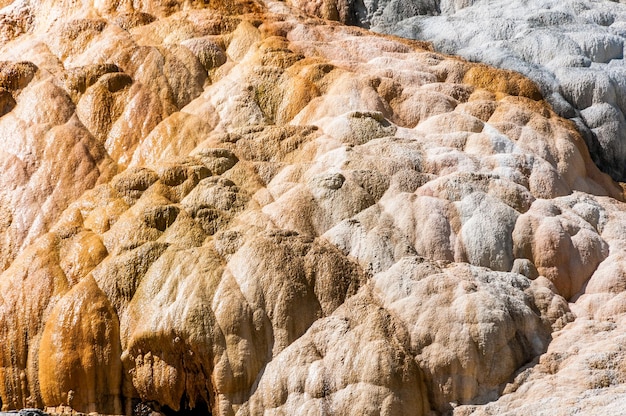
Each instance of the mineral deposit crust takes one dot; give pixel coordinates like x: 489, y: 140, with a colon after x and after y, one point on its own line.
x: 240, y: 207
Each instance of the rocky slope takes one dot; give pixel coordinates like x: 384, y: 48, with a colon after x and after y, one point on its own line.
x: 237, y: 207
x: 572, y: 49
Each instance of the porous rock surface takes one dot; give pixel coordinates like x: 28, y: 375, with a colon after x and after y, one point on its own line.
x: 572, y: 49
x: 237, y: 207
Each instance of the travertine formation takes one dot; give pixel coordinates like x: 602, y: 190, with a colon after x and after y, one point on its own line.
x: 572, y: 49
x: 238, y: 207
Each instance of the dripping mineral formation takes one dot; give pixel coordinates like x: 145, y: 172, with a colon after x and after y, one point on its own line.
x: 238, y: 207
x: 572, y: 49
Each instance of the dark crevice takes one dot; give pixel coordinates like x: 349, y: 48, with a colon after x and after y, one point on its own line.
x: 149, y: 408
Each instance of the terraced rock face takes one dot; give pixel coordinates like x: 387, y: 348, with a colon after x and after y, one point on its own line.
x: 573, y: 50
x: 239, y: 207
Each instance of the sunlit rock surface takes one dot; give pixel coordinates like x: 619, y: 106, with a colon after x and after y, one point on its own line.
x: 572, y: 49
x: 237, y: 207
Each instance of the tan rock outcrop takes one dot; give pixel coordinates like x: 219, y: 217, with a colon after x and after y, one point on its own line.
x: 469, y: 328
x: 583, y: 370
x: 237, y: 207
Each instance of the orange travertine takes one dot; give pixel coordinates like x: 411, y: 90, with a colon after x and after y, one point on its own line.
x: 235, y: 206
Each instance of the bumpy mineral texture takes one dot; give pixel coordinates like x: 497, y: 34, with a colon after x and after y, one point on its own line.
x: 236, y: 207
x: 572, y: 49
